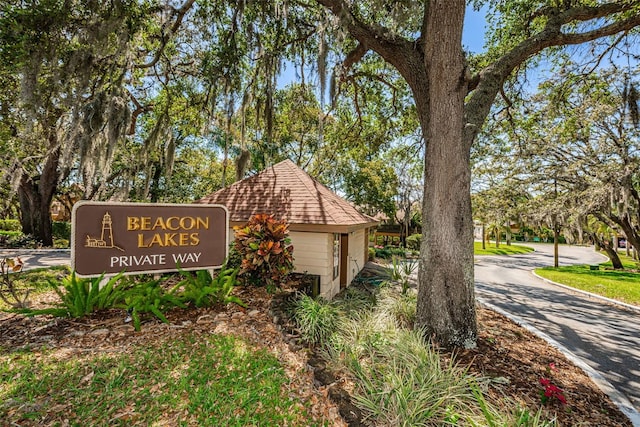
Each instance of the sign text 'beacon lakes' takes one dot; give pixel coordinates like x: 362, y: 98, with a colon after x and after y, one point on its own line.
x: 144, y: 238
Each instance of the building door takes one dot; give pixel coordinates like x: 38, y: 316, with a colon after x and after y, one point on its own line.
x: 344, y: 259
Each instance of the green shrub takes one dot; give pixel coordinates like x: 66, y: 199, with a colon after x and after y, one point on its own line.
x: 389, y: 252
x: 371, y: 254
x: 316, y: 318
x: 403, y: 310
x: 81, y: 296
x: 61, y: 230
x: 25, y: 241
x: 418, y: 390
x: 234, y: 258
x: 84, y: 296
x: 352, y: 300
x: 150, y: 297
x: 60, y: 243
x: 10, y: 233
x: 383, y: 253
x: 10, y: 225
x: 201, y: 290
x: 264, y: 246
x: 414, y: 241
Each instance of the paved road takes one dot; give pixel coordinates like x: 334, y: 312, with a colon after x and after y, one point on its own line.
x: 606, y: 337
x: 36, y: 258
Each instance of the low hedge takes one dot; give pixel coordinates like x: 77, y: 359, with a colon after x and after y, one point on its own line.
x: 10, y: 225
x: 8, y: 234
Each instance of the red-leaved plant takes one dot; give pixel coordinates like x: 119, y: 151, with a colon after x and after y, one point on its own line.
x: 265, y: 249
x: 551, y: 392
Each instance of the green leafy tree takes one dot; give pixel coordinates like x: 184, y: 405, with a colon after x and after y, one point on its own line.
x: 453, y: 97
x: 68, y: 62
x: 582, y: 153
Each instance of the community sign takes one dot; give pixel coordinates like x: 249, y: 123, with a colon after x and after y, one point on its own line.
x: 135, y: 238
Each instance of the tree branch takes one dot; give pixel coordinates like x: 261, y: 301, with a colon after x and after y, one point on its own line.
x: 165, y: 37
x: 140, y: 109
x: 491, y: 79
x: 378, y: 40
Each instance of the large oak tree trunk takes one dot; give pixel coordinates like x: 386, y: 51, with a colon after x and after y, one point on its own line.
x: 446, y: 301
x: 434, y: 68
x: 35, y: 194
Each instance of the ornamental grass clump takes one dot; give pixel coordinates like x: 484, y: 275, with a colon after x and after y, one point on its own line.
x: 265, y: 250
x: 316, y: 318
x: 401, y: 380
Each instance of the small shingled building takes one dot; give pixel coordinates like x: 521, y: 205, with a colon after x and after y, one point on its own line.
x: 330, y: 237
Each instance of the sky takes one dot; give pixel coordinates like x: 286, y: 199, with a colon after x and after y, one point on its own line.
x: 474, y: 29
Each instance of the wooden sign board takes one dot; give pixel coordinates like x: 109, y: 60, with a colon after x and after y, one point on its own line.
x: 137, y: 238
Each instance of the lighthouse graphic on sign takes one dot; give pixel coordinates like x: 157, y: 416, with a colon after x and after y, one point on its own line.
x: 106, y: 236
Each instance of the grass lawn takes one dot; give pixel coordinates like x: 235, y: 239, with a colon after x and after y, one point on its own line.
x: 195, y: 380
x: 502, y: 250
x: 619, y: 285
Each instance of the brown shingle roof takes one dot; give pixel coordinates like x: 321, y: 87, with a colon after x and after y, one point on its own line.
x: 289, y: 193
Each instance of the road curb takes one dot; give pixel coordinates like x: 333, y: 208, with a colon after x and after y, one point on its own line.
x: 35, y: 251
x: 590, y: 294
x: 616, y: 397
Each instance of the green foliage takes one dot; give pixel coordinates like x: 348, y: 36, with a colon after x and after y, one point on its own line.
x: 7, y: 235
x: 418, y: 388
x: 23, y: 241
x: 264, y: 245
x: 316, y: 318
x: 61, y: 230
x: 388, y: 252
x: 150, y: 297
x: 353, y: 299
x: 201, y: 290
x: 403, y: 309
x: 371, y: 253
x: 400, y: 379
x: 10, y: 225
x: 372, y: 184
x: 400, y: 272
x: 414, y: 241
x: 81, y: 296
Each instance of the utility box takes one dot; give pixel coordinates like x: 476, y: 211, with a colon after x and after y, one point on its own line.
x: 311, y: 285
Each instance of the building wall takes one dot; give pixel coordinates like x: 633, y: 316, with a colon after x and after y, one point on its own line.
x: 357, y: 251
x: 313, y: 254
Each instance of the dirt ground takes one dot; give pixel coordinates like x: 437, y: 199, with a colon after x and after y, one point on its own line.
x: 515, y: 359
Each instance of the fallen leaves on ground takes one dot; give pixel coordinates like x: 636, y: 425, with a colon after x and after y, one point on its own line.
x: 515, y: 359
